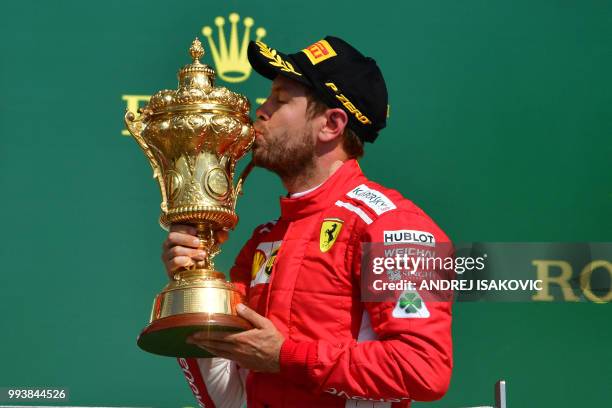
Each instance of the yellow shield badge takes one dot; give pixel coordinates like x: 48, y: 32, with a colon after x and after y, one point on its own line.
x: 329, y: 232
x: 258, y: 259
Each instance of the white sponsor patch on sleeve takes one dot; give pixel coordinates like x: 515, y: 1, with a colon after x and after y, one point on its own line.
x: 409, y: 237
x: 356, y: 210
x: 376, y: 200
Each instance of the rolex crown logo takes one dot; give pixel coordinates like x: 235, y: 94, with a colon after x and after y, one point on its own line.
x: 231, y: 61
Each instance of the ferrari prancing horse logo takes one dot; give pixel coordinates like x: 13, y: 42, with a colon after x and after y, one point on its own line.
x: 330, y: 228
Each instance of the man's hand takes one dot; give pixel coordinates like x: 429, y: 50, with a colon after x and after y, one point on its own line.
x: 180, y: 249
x: 257, y: 349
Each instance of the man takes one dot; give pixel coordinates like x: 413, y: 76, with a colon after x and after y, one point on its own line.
x: 315, y: 342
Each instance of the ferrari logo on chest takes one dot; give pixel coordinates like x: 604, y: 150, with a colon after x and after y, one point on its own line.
x: 330, y: 229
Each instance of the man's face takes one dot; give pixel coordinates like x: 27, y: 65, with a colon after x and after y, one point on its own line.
x: 284, y: 134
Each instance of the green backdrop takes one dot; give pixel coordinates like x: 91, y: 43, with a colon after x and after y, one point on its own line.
x: 500, y: 128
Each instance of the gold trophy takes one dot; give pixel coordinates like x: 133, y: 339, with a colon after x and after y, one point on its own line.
x: 193, y: 136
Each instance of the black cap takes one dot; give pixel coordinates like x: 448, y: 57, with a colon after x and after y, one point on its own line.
x: 337, y: 73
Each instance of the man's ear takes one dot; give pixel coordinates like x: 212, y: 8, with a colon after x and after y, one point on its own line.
x: 333, y: 127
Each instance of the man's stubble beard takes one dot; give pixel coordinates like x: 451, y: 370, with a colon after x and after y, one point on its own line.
x: 289, y: 161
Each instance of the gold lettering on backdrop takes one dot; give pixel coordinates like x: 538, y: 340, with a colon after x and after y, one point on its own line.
x: 543, y: 268
x: 585, y: 280
x: 132, y: 103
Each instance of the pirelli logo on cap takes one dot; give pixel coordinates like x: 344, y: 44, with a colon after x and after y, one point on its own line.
x: 319, y: 51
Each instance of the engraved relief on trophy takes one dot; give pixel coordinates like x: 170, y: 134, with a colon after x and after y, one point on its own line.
x: 174, y: 181
x: 226, y: 130
x: 216, y: 183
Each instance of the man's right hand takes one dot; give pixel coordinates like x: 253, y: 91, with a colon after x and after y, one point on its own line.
x: 180, y: 249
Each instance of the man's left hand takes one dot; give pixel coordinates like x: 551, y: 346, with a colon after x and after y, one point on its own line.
x: 257, y: 349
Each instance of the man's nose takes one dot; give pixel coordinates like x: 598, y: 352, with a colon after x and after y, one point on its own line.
x: 261, y: 112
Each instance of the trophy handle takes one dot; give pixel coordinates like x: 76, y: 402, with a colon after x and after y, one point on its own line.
x: 245, y: 173
x: 135, y: 127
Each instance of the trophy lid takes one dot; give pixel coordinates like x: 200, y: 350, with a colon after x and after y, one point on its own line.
x: 197, y: 91
x: 202, y: 75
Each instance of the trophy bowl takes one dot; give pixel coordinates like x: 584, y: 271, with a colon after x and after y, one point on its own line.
x: 193, y: 137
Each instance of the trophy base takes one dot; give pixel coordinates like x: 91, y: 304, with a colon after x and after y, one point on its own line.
x: 168, y: 336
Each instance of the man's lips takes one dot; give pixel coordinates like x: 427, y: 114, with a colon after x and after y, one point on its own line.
x: 257, y: 125
x: 258, y: 139
x: 258, y: 134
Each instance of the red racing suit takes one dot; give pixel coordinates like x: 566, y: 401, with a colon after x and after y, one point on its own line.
x: 303, y: 274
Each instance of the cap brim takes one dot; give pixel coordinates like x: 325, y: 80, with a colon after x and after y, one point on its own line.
x: 270, y: 63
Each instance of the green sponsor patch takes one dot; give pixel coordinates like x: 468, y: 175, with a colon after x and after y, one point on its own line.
x: 410, y: 302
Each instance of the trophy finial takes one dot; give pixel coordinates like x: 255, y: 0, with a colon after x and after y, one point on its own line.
x: 196, y: 50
